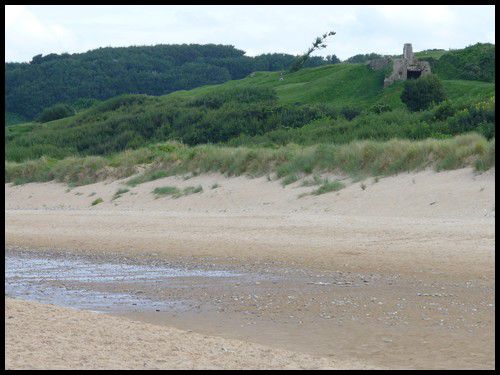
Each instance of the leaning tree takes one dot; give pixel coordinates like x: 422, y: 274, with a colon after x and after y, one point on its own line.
x: 319, y: 43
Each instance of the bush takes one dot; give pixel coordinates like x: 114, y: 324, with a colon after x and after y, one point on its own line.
x: 478, y: 117
x: 350, y: 112
x: 380, y: 108
x: 476, y: 62
x: 56, y: 112
x: 422, y: 93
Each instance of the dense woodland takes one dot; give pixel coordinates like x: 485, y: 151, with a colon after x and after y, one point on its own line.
x: 107, y: 72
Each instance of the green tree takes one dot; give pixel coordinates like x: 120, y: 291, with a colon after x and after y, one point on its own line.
x: 56, y: 112
x: 423, y: 93
x: 332, y: 59
x: 104, y: 73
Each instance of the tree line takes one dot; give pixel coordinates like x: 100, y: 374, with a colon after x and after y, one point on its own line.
x: 153, y: 70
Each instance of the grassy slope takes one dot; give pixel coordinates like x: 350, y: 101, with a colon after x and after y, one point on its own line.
x: 338, y: 85
x: 435, y: 54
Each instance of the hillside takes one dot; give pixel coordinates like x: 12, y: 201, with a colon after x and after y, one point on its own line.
x: 107, y: 72
x: 476, y: 62
x: 336, y: 103
x: 162, y: 69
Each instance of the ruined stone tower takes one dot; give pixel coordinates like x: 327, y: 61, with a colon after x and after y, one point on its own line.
x: 407, y: 67
x: 408, y: 52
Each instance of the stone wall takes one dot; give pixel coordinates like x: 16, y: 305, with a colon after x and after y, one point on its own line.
x: 407, y: 67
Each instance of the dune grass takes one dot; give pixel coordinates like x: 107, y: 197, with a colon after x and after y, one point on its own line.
x: 176, y: 192
x: 119, y: 193
x: 97, y: 201
x: 328, y: 186
x: 358, y: 159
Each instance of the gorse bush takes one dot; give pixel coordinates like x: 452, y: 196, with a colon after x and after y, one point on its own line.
x: 479, y: 117
x: 422, y: 93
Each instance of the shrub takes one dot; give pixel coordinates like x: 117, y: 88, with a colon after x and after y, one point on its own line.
x: 422, y: 93
x: 380, y: 108
x: 55, y: 112
x: 478, y: 117
x: 350, y: 112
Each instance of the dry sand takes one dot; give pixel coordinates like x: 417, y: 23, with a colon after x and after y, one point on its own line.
x: 434, y: 227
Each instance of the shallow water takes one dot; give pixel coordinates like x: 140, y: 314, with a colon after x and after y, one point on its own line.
x: 72, y: 281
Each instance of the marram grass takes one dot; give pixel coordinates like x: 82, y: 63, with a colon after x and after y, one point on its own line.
x: 357, y: 159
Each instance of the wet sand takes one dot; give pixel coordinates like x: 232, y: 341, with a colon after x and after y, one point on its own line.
x: 399, y: 275
x: 42, y: 336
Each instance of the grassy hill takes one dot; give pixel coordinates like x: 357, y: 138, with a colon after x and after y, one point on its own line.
x: 335, y: 103
x: 153, y: 70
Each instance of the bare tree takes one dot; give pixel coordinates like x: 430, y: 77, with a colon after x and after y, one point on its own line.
x: 319, y: 43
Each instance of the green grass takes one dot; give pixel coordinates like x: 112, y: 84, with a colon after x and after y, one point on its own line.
x: 166, y: 190
x: 290, y: 179
x: 119, y: 193
x: 316, y: 180
x: 176, y: 192
x: 435, y: 54
x: 356, y: 159
x: 328, y: 186
x: 146, y: 177
x: 97, y: 201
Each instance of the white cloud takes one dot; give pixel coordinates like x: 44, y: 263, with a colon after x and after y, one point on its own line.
x: 26, y: 34
x: 31, y: 30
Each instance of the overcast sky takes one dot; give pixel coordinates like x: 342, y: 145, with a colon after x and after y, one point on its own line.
x: 31, y: 30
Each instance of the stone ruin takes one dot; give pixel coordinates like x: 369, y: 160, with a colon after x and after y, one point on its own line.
x: 407, y: 67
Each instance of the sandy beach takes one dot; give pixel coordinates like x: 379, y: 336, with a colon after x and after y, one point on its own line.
x: 85, y: 340
x: 413, y: 233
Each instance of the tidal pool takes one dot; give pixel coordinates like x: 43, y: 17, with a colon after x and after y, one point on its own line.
x: 82, y: 283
